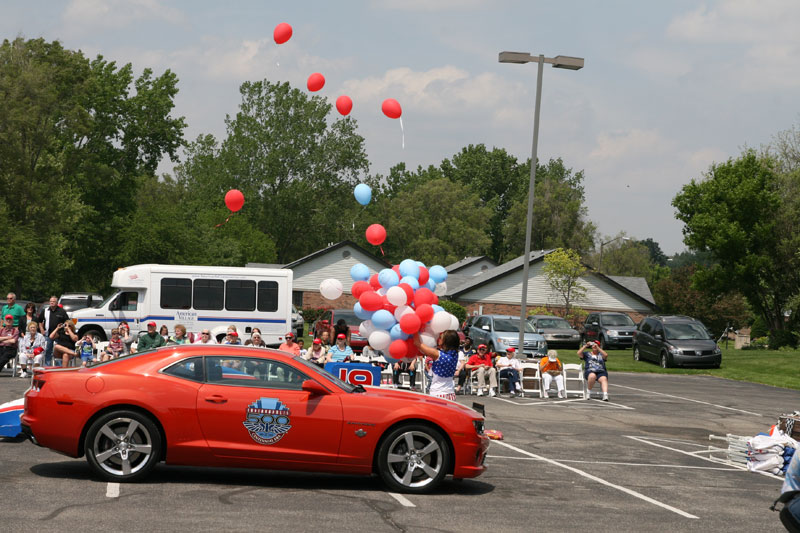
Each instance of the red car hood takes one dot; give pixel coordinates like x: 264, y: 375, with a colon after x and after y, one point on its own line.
x: 408, y: 396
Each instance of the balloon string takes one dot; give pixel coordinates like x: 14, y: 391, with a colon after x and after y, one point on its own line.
x: 381, y: 247
x: 403, y: 131
x: 226, y: 221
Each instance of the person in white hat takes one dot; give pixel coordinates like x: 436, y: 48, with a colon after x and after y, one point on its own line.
x: 550, y: 367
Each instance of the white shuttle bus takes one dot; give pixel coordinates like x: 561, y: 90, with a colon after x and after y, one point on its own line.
x: 197, y: 297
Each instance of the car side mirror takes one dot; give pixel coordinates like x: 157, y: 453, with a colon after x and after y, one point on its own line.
x: 314, y: 388
x: 300, y: 313
x: 485, y: 328
x: 595, y: 324
x: 659, y: 337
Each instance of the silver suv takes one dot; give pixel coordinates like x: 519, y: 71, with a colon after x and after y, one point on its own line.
x: 499, y: 332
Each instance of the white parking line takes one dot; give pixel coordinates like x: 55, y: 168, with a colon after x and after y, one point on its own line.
x: 581, y: 403
x: 729, y: 469
x: 112, y: 490
x: 599, y: 480
x: 644, y: 440
x: 687, y: 399
x: 405, y: 502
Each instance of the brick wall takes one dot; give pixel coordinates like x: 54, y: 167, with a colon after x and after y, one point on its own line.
x: 315, y: 300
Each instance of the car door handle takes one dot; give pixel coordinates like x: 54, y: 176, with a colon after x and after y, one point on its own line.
x: 216, y: 398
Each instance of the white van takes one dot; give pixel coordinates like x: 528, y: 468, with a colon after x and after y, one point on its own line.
x: 197, y: 297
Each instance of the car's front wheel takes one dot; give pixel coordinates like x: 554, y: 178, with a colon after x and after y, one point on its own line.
x: 636, y: 355
x: 665, y: 361
x: 413, y: 458
x: 123, y: 445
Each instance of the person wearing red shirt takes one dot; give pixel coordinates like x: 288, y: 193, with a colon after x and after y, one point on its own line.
x: 481, y: 363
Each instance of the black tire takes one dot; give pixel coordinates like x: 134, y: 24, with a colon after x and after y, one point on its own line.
x: 636, y: 355
x: 136, y: 450
x: 418, y: 470
x: 666, y: 362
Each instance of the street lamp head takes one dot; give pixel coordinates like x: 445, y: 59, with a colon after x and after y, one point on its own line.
x: 568, y: 62
x: 515, y: 57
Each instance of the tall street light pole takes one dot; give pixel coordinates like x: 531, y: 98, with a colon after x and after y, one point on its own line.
x: 609, y: 242
x: 565, y: 62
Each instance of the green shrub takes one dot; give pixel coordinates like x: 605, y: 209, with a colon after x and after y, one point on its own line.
x: 782, y: 337
x: 760, y: 343
x: 454, y: 309
x: 311, y: 314
x: 759, y: 328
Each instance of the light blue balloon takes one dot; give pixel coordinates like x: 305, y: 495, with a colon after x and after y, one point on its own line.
x: 411, y: 281
x: 431, y: 284
x: 363, y: 193
x: 389, y: 359
x: 359, y: 272
x: 388, y: 278
x: 383, y: 319
x: 397, y: 334
x: 409, y: 267
x: 361, y: 313
x: 437, y: 273
x: 437, y: 308
x: 420, y: 264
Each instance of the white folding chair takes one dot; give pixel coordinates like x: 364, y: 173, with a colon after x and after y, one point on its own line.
x: 573, y: 374
x: 530, y: 379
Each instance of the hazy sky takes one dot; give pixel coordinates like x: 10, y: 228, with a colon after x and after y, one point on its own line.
x: 668, y: 87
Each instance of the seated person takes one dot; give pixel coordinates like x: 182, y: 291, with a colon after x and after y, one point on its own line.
x: 510, y: 368
x: 464, y: 354
x: 316, y: 354
x: 31, y: 349
x: 116, y: 346
x: 595, y: 370
x: 232, y: 337
x: 289, y: 345
x: 85, y: 347
x: 550, y: 367
x: 339, y: 352
x: 401, y: 367
x: 255, y: 340
x: 205, y: 338
x: 302, y: 344
x: 481, y: 363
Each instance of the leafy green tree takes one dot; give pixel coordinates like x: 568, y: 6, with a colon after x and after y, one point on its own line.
x: 657, y: 257
x: 437, y: 222
x: 748, y: 216
x: 75, y: 134
x: 563, y: 270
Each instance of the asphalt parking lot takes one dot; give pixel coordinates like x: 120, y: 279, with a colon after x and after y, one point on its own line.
x: 639, y: 462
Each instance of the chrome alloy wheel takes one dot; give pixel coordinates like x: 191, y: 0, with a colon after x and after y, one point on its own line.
x: 122, y: 446
x: 415, y: 459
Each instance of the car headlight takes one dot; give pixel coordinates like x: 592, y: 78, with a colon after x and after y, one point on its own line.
x: 503, y: 342
x: 612, y: 333
x: 717, y: 351
x: 675, y: 351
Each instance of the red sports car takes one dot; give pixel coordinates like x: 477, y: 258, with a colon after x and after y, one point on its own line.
x: 232, y: 406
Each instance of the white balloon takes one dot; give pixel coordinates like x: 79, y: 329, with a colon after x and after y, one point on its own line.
x: 402, y: 310
x: 428, y: 339
x: 396, y: 296
x: 440, y: 321
x: 441, y: 289
x: 382, y: 291
x: 380, y: 339
x: 453, y: 323
x: 331, y: 288
x: 427, y: 329
x: 365, y: 328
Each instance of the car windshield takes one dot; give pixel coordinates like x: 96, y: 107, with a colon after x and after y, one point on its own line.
x: 314, y: 369
x: 511, y: 325
x: 553, y: 323
x: 107, y: 300
x: 686, y: 332
x: 617, y: 320
x: 349, y: 317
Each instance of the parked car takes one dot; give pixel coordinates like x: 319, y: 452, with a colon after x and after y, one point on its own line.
x: 556, y: 331
x: 72, y: 301
x: 298, y: 323
x: 468, y: 324
x: 242, y: 407
x: 327, y: 319
x: 672, y: 340
x: 613, y: 330
x: 499, y: 332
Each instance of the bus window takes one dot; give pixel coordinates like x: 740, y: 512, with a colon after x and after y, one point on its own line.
x: 267, y: 295
x: 209, y: 294
x: 240, y: 295
x: 176, y: 293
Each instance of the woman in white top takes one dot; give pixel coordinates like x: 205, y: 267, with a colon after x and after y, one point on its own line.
x: 28, y: 349
x: 510, y: 367
x: 316, y: 354
x: 205, y: 338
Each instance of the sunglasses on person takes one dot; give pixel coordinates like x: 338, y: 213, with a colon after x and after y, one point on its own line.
x: 481, y: 349
x: 206, y: 333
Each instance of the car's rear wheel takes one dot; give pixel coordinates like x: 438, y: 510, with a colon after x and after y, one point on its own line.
x: 636, y: 355
x: 123, y: 445
x: 413, y: 458
x: 665, y: 361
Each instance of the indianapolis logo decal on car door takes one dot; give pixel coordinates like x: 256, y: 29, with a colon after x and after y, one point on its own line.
x: 267, y: 420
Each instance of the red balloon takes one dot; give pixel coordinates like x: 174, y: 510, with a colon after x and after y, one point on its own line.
x: 370, y: 301
x: 373, y: 282
x: 424, y: 312
x: 359, y: 287
x: 234, y: 199
x: 409, y: 292
x: 424, y: 296
x: 282, y: 33
x: 315, y: 82
x: 424, y: 276
x: 398, y: 349
x: 389, y: 307
x: 391, y: 108
x: 435, y: 300
x: 344, y: 105
x: 396, y: 269
x: 410, y: 323
x: 376, y: 234
x: 413, y: 351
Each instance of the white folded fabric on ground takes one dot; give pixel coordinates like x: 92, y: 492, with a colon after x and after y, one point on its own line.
x: 772, y: 465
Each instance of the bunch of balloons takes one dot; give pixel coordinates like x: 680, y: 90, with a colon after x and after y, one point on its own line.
x: 398, y: 302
